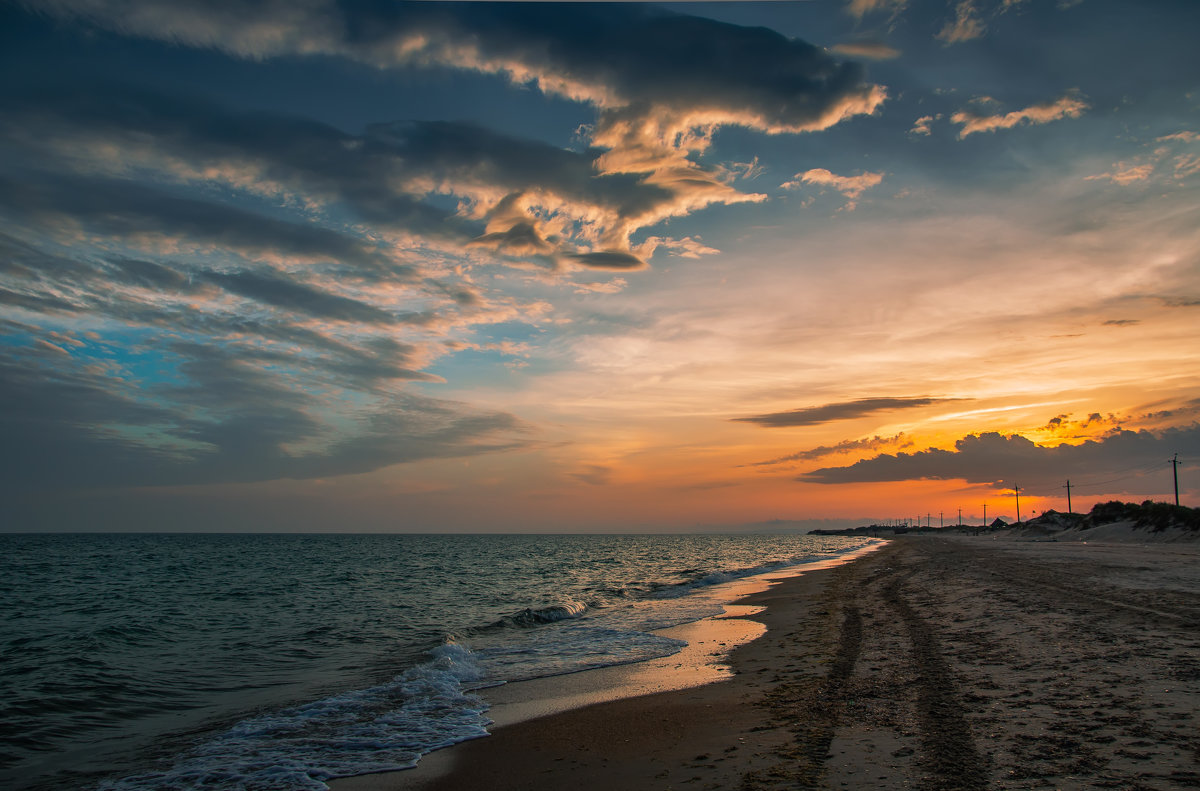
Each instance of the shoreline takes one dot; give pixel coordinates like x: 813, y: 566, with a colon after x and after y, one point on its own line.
x: 934, y: 662
x: 705, y: 661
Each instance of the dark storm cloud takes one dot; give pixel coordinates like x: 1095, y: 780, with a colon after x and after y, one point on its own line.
x: 992, y: 458
x: 68, y: 424
x: 846, y: 410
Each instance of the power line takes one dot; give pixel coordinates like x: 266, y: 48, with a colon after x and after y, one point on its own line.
x: 1137, y: 471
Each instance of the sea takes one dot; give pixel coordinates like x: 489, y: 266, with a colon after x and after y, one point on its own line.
x: 131, y: 662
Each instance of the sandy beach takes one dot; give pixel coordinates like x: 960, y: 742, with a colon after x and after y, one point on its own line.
x: 937, y: 662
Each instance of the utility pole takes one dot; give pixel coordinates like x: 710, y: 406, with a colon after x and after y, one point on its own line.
x: 1017, y: 494
x: 1068, y: 488
x: 985, y: 514
x: 1175, y: 475
x: 960, y: 517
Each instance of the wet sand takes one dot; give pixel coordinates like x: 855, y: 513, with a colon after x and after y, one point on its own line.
x: 933, y: 663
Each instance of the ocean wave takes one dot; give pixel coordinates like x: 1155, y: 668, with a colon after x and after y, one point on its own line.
x: 382, y: 728
x: 537, y: 616
x: 704, y: 579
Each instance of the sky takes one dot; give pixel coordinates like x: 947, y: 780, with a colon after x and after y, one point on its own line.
x: 356, y: 265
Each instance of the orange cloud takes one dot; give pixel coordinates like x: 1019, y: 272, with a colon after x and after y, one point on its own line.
x: 850, y: 186
x: 965, y: 26
x: 872, y: 50
x: 1124, y: 174
x: 1066, y: 107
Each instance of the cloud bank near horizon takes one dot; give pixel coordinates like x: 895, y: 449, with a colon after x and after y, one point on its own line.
x: 995, y: 459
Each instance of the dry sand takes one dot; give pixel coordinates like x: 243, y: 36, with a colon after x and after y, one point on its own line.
x: 934, y: 663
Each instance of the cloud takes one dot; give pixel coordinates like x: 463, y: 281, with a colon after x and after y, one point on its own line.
x: 1184, y: 137
x: 1124, y: 174
x: 845, y: 410
x: 861, y: 8
x: 924, y: 124
x: 965, y: 26
x: 155, y: 219
x: 609, y: 259
x: 871, y: 50
x: 68, y: 424
x: 661, y: 83
x: 850, y: 186
x: 846, y: 446
x: 284, y: 293
x: 594, y: 474
x: 611, y: 286
x: 266, y: 287
x: 994, y: 459
x: 1069, y: 106
x: 609, y: 56
x: 521, y: 199
x: 1187, y: 165
x: 1064, y: 428
x: 687, y: 247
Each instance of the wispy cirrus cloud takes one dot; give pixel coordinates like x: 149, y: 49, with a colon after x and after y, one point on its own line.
x: 861, y: 8
x: 1124, y: 174
x: 867, y: 48
x: 844, y: 410
x: 851, y: 186
x: 81, y: 426
x: 874, y: 443
x: 1070, y: 106
x: 965, y: 26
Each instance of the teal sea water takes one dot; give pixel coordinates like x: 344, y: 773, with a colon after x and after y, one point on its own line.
x: 166, y: 661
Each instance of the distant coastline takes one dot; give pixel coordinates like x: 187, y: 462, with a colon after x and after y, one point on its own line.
x: 1111, y: 521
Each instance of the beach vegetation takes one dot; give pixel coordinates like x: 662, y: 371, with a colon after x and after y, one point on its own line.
x: 1145, y: 515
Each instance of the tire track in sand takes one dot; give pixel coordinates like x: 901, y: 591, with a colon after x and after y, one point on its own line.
x: 823, y: 700
x: 811, y: 705
x: 949, y: 751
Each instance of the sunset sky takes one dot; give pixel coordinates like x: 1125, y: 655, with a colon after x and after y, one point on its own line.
x: 361, y: 265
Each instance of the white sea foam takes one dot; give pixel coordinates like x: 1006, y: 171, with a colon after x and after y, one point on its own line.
x: 381, y: 728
